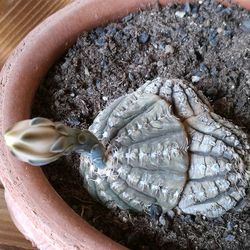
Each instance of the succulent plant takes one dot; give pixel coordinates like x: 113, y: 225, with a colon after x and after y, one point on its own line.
x: 168, y: 148
x: 161, y: 145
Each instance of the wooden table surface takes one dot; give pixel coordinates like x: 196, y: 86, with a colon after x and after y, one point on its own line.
x: 17, y: 18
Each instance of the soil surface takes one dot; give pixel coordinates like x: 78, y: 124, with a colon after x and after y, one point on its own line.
x: 203, y: 43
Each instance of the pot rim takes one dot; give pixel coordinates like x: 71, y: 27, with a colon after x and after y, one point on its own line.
x: 41, y: 211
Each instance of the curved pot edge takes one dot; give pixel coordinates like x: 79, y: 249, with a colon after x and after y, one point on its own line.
x: 12, y: 178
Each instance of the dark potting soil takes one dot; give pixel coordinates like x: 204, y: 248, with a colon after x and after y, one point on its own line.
x: 203, y: 43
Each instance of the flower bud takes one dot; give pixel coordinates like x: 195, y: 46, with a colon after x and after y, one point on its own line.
x: 39, y: 141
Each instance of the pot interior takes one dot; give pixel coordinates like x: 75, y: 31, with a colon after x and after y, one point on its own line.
x: 200, y: 43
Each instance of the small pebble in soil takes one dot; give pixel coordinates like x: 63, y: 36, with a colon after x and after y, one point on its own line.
x: 219, y: 30
x: 143, y: 38
x: 180, y: 14
x: 99, y: 31
x: 155, y: 211
x: 195, y: 79
x: 162, y: 220
x: 212, y: 37
x: 187, y: 8
x: 105, y: 98
x: 245, y: 25
x: 230, y: 237
x: 195, y: 10
x: 169, y: 49
x: 229, y: 226
x: 211, y: 92
x: 100, y: 41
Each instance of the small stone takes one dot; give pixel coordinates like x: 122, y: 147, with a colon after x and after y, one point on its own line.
x: 104, y: 63
x: 98, y: 83
x: 118, y: 36
x: 99, y: 31
x: 124, y: 219
x: 206, y: 23
x: 160, y: 63
x: 219, y: 8
x: 226, y: 11
x: 219, y: 30
x: 187, y: 8
x: 200, y: 20
x: 195, y: 10
x: 65, y: 65
x: 143, y: 38
x: 171, y: 214
x: 100, y: 41
x: 230, y: 237
x: 86, y: 71
x: 229, y: 226
x: 245, y: 25
x: 155, y: 45
x: 212, y: 92
x: 187, y: 218
x: 169, y: 49
x: 155, y: 211
x: 162, y: 220
x: 196, y: 78
x: 57, y: 104
x: 180, y: 14
x: 212, y: 37
x: 131, y: 76
x: 203, y: 68
x: 61, y: 92
x: 57, y: 78
x: 228, y: 33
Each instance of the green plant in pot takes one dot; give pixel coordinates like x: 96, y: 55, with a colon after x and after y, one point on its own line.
x: 28, y: 191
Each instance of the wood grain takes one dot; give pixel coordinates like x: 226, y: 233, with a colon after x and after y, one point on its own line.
x: 9, y: 235
x: 18, y: 17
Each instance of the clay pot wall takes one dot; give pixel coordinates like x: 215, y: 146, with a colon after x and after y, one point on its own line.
x: 38, y: 211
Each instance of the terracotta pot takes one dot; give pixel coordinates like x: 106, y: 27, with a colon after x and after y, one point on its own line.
x: 37, y: 210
